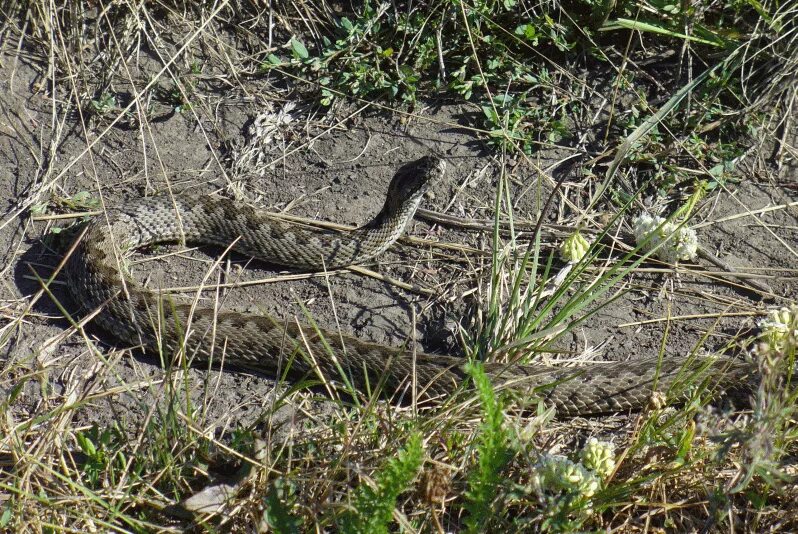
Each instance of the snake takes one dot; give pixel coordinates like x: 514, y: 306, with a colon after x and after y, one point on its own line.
x: 100, y: 281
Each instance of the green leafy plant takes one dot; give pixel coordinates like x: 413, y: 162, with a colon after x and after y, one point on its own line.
x: 104, y: 455
x: 373, y: 505
x: 492, y: 454
x: 279, y: 501
x: 104, y: 105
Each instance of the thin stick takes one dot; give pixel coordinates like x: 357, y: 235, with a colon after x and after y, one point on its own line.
x: 302, y: 276
x: 410, y: 287
x: 694, y: 316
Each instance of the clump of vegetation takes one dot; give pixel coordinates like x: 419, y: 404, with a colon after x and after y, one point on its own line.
x: 372, y: 507
x: 492, y: 54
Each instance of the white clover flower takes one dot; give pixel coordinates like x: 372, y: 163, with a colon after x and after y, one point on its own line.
x: 574, y: 248
x: 681, y: 243
x: 555, y: 474
x: 779, y: 326
x: 599, y: 456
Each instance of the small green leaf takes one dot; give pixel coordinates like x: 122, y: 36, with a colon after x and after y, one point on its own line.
x: 15, y: 391
x: 81, y: 196
x: 86, y: 445
x: 6, y: 517
x: 300, y: 52
x: 757, y: 500
x: 326, y: 97
x: 408, y: 74
x: 685, y: 443
x: 274, y: 60
x: 528, y: 31
x: 490, y: 114
x: 38, y: 209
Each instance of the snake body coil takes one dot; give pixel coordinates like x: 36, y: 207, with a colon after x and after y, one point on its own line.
x: 270, y: 345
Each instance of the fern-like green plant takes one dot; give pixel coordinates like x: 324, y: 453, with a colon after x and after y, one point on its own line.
x: 372, y: 507
x: 492, y: 451
x: 279, y: 502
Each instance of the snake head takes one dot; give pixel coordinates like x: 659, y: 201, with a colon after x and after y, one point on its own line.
x: 411, y: 181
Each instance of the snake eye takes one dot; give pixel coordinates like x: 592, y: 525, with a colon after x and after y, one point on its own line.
x: 432, y: 164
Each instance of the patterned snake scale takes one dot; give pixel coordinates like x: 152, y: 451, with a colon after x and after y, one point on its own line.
x: 269, y: 345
